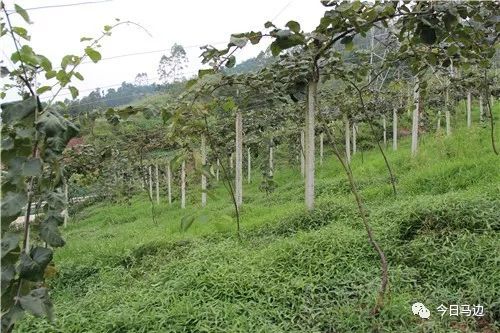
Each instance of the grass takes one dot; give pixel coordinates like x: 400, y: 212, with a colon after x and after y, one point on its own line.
x: 295, y: 271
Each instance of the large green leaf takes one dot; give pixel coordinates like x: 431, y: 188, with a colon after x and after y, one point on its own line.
x: 24, y: 14
x: 238, y: 40
x: 74, y: 91
x: 285, y: 39
x: 21, y: 32
x: 42, y: 256
x: 427, y: 33
x: 29, y: 269
x: 15, y: 111
x: 32, y: 167
x: 14, y: 314
x: 94, y: 55
x: 294, y: 26
x: 8, y: 274
x: 10, y: 241
x: 43, y: 89
x: 254, y: 37
x: 50, y: 233
x: 27, y: 56
x: 38, y: 303
x: 57, y: 130
x: 12, y: 203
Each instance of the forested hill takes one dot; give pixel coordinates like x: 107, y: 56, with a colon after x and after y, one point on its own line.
x: 129, y: 93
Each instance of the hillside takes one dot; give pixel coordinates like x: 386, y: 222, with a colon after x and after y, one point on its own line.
x: 295, y: 271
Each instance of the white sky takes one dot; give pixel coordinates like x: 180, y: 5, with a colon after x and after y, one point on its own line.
x: 56, y: 32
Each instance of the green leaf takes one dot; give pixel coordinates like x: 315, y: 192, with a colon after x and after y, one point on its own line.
x: 32, y: 167
x: 74, y: 92
x: 450, y: 21
x: 38, y: 303
x: 21, y: 32
x: 254, y: 37
x: 275, y: 49
x: 78, y: 76
x: 58, y: 131
x: 231, y: 61
x: 12, y: 203
x: 94, y: 55
x: 269, y: 24
x: 42, y: 256
x: 24, y: 14
x: 63, y: 77
x: 65, y: 61
x: 14, y: 314
x: 186, y: 222
x: 43, y: 89
x: 50, y: 74
x: 29, y: 269
x: 238, y: 41
x: 26, y: 55
x: 452, y: 50
x: 294, y: 26
x: 203, y: 72
x: 229, y: 105
x: 347, y: 41
x: 45, y: 63
x: 50, y: 233
x: 15, y: 111
x: 10, y: 241
x: 107, y: 28
x: 84, y: 39
x: 286, y: 40
x: 427, y: 33
x: 8, y: 274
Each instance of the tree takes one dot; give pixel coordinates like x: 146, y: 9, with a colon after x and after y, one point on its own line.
x: 141, y: 79
x: 170, y: 67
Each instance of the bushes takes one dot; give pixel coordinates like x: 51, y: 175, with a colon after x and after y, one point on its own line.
x: 452, y: 213
x: 450, y: 176
x: 168, y: 251
x: 324, y: 214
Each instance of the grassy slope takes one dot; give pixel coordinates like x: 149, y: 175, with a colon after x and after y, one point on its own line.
x: 295, y: 272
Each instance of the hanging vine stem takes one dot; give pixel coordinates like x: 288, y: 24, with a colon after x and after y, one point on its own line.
x: 492, y: 122
x: 388, y: 166
x: 492, y: 127
x: 228, y: 186
x: 149, y: 194
x: 364, y: 216
x: 389, y: 169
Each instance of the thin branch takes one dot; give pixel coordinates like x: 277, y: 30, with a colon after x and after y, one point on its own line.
x: 364, y: 216
x: 25, y: 79
x: 228, y: 186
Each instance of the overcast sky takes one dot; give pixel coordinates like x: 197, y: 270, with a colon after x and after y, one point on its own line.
x: 57, y: 31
